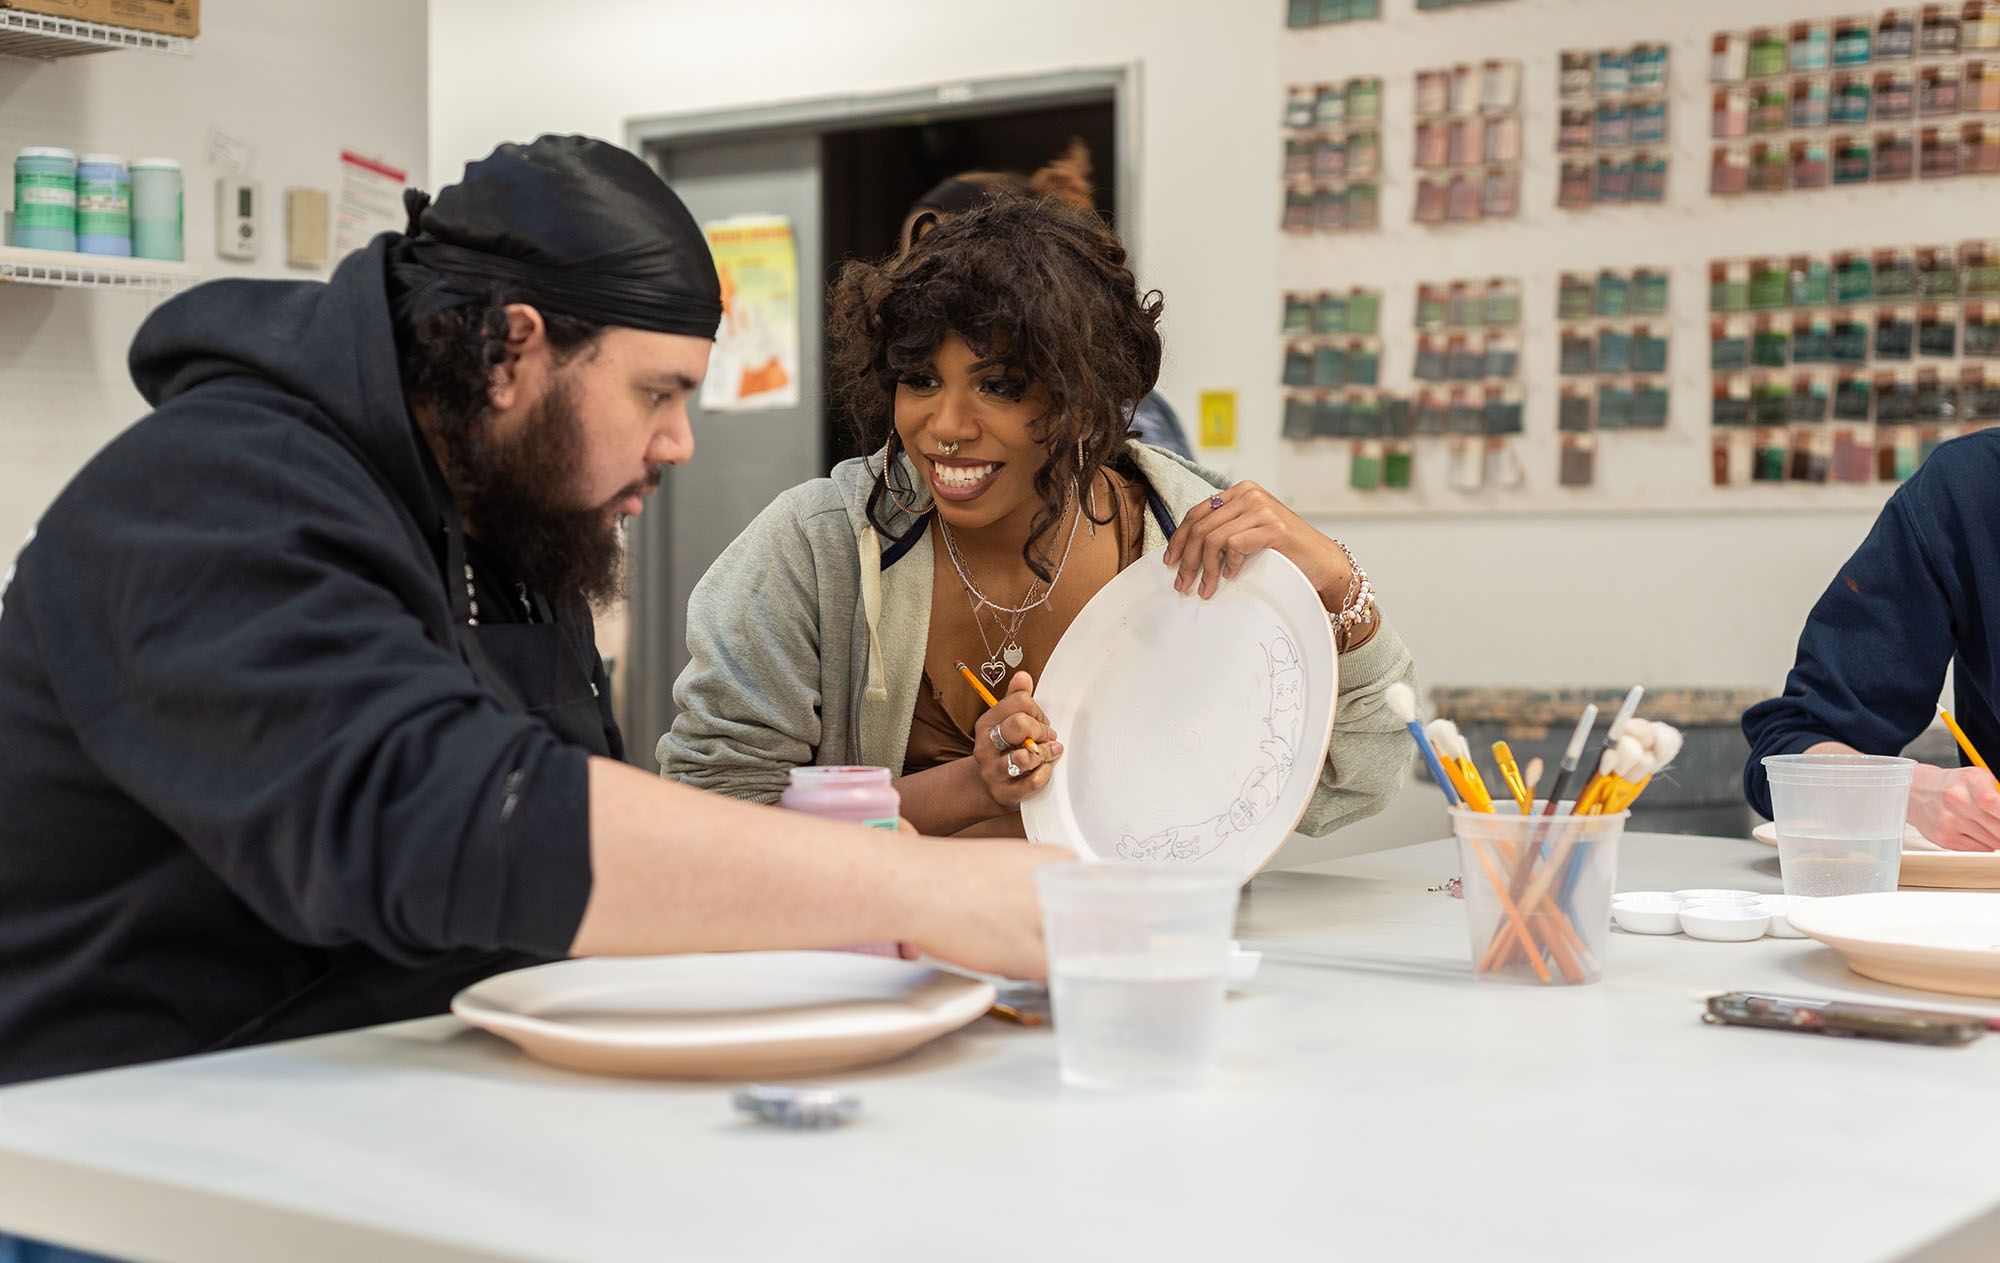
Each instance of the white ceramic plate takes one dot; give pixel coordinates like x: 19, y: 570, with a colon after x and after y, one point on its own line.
x: 1193, y: 731
x: 1767, y: 833
x: 1926, y: 865
x: 742, y: 1015
x: 1934, y: 940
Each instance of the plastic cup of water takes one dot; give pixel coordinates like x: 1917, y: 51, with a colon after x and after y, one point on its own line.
x: 1840, y: 820
x: 1138, y: 957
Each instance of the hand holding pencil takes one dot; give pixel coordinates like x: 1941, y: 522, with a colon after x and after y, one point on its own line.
x: 1013, y: 747
x: 1957, y: 808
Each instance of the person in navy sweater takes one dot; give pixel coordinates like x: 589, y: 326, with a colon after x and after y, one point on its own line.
x: 1871, y: 662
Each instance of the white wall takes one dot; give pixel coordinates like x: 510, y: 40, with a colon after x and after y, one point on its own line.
x: 1710, y: 598
x: 298, y: 80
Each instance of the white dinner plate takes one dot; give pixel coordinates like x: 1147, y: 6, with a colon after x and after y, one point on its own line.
x: 738, y: 1015
x: 1934, y: 940
x: 1193, y: 731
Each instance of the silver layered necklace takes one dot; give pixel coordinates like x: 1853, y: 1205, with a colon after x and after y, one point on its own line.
x: 1008, y: 655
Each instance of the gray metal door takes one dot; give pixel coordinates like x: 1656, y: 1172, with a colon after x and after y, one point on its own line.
x: 742, y: 460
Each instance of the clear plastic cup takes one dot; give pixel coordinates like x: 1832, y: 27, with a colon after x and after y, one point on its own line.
x: 1537, y: 893
x: 1840, y: 820
x: 1138, y: 955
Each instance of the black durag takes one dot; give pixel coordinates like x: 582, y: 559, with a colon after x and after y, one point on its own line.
x: 577, y: 225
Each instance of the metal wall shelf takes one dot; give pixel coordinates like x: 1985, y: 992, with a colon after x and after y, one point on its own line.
x: 93, y: 271
x: 42, y: 37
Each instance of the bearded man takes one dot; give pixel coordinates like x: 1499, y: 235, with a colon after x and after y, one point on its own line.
x: 302, y: 726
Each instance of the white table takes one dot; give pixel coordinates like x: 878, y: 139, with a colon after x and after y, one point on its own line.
x: 1377, y: 1104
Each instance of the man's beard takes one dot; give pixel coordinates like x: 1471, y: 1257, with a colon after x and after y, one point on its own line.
x: 513, y: 493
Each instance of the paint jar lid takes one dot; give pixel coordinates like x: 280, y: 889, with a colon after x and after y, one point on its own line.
x: 155, y: 164
x: 67, y: 155
x: 101, y: 160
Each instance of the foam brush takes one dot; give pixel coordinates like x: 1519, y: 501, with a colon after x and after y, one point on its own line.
x: 1667, y: 743
x: 1600, y: 781
x: 1402, y: 702
x: 1456, y: 754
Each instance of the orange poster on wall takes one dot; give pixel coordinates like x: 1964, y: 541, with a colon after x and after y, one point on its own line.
x: 756, y: 360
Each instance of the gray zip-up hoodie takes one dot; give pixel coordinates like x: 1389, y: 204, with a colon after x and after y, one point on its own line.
x: 805, y: 649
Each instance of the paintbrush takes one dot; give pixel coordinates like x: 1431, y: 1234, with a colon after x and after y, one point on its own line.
x: 1612, y: 734
x: 1571, y: 754
x: 1666, y: 747
x: 1510, y: 772
x: 1456, y: 757
x: 1402, y: 702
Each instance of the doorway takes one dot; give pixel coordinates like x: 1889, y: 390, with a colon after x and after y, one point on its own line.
x: 844, y: 171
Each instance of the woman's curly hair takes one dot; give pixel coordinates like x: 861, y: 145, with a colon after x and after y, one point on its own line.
x: 1041, y: 287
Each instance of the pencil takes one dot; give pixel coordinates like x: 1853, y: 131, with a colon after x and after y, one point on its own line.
x: 985, y: 694
x: 1964, y: 742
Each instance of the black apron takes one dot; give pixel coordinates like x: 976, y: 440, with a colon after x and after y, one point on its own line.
x: 530, y: 660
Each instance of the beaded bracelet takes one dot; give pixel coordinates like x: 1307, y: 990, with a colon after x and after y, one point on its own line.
x: 1358, y: 610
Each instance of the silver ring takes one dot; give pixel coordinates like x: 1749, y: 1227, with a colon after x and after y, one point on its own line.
x: 999, y: 742
x: 1012, y: 768
x: 1215, y: 502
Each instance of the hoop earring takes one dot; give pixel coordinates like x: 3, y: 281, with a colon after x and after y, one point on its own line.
x: 1084, y: 506
x: 888, y: 487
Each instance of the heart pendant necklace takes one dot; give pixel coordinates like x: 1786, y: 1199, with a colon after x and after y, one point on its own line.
x: 1008, y: 657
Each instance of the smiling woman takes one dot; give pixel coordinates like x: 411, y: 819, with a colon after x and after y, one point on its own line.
x: 991, y: 366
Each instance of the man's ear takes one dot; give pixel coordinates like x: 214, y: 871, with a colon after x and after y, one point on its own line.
x: 526, y: 345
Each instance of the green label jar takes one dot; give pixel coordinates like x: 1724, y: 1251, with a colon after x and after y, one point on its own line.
x: 45, y: 199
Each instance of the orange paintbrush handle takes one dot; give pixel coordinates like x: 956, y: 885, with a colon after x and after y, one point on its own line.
x: 1511, y: 913
x: 1479, y: 798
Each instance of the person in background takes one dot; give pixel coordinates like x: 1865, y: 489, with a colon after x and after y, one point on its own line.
x: 1067, y: 180
x: 1922, y: 592
x: 302, y: 722
x: 993, y: 365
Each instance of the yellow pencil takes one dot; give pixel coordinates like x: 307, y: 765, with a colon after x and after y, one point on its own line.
x: 985, y: 694
x: 1964, y: 742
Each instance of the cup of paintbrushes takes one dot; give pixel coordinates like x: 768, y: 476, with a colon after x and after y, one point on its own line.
x: 1537, y: 892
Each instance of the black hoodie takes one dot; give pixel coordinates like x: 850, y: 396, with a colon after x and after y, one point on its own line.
x: 257, y: 779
